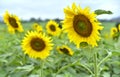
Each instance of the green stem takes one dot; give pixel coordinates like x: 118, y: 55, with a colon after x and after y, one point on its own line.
x: 109, y: 54
x: 75, y: 63
x: 95, y: 65
x: 42, y: 66
x: 66, y: 67
x: 86, y: 69
x: 60, y: 35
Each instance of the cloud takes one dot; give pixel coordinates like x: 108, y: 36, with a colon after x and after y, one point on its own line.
x: 26, y: 9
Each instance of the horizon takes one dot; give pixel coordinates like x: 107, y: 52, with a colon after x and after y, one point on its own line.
x: 54, y: 9
x: 1, y: 18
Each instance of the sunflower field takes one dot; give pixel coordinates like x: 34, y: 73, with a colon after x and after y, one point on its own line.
x: 78, y: 46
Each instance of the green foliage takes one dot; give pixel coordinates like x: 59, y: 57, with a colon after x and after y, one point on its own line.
x: 100, y: 11
x: 14, y: 63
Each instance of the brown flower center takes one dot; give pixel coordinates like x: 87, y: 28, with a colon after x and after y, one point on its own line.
x: 82, y: 25
x: 12, y: 22
x: 64, y: 50
x: 37, y: 44
x: 114, y: 31
x: 52, y: 27
x: 35, y: 26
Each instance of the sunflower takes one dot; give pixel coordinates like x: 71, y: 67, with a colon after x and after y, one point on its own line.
x: 37, y: 27
x: 65, y: 49
x: 53, y: 28
x: 81, y: 25
x: 13, y: 23
x: 114, y: 33
x: 119, y: 27
x: 37, y: 45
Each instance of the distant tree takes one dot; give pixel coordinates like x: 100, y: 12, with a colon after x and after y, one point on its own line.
x: 32, y: 19
x: 57, y: 20
x: 46, y: 20
x: 24, y: 21
x: 39, y: 19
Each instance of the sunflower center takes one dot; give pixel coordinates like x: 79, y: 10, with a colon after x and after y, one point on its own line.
x: 64, y: 50
x: 114, y: 31
x: 12, y: 22
x: 82, y: 25
x: 37, y: 44
x: 35, y: 26
x: 52, y: 27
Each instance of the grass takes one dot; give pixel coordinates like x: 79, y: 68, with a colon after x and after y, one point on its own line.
x: 107, y: 26
x: 14, y: 63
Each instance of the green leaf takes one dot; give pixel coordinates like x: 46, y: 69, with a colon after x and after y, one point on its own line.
x: 116, y: 53
x: 106, y: 74
x: 116, y: 70
x: 34, y: 76
x: 26, y: 68
x: 100, y: 11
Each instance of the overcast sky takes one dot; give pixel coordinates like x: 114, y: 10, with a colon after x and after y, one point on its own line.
x: 51, y: 9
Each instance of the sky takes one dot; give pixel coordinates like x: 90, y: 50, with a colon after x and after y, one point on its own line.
x: 51, y: 9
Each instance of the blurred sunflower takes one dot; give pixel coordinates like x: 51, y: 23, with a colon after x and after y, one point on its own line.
x: 37, y: 45
x: 37, y: 27
x: 119, y: 27
x: 13, y: 23
x: 114, y: 33
x: 81, y: 25
x: 53, y: 28
x: 65, y: 49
